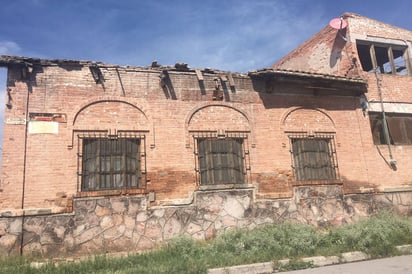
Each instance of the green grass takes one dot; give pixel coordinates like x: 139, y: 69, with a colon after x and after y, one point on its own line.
x: 294, y: 265
x: 376, y: 235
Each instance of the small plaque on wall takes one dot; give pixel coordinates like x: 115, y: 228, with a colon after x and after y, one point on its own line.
x: 42, y: 127
x: 48, y: 117
x: 16, y: 121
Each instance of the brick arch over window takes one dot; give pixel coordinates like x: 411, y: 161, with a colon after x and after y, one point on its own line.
x: 110, y: 138
x: 219, y: 135
x: 311, y: 134
x: 213, y: 117
x: 307, y: 119
x: 111, y: 114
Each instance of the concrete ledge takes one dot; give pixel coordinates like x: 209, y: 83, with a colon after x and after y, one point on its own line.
x: 404, y: 249
x: 354, y: 256
x: 27, y: 212
x: 397, y: 189
x: 322, y: 261
x: 258, y: 268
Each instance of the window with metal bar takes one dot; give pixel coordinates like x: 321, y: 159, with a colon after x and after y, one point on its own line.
x: 314, y: 158
x: 221, y: 157
x: 221, y: 161
x: 110, y: 163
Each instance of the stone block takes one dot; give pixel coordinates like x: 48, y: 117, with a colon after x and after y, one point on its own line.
x: 233, y: 207
x: 129, y: 221
x: 111, y: 233
x: 404, y: 249
x: 354, y: 256
x: 322, y: 261
x: 102, y: 211
x: 119, y: 205
x: 34, y: 225
x: 87, y: 235
x: 142, y: 216
x: 16, y: 226
x: 172, y: 228
x: 159, y: 213
x: 87, y: 204
x: 258, y: 268
x: 106, y: 222
x: 7, y: 242
x: 193, y: 228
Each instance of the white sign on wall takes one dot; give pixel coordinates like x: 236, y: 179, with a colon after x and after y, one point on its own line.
x: 42, y: 127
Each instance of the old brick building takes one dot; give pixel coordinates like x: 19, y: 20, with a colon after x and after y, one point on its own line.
x: 380, y: 54
x: 100, y: 157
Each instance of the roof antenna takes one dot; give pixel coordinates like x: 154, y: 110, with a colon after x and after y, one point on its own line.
x: 339, y: 24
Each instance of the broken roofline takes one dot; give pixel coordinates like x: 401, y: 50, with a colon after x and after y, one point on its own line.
x: 6, y: 60
x: 355, y: 83
x: 273, y: 73
x: 318, y: 80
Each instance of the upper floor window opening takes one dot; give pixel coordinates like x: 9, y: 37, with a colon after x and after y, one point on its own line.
x: 385, y: 58
x: 399, y: 128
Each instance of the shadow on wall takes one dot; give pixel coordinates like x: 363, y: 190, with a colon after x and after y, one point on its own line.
x: 337, y: 47
x: 312, y: 94
x: 3, y: 80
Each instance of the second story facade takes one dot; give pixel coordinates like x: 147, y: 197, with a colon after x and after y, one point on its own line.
x: 379, y: 53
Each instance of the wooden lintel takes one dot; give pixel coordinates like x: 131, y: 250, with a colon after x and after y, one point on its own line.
x: 231, y: 81
x: 199, y: 74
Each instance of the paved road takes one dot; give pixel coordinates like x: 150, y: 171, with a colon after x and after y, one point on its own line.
x: 394, y: 265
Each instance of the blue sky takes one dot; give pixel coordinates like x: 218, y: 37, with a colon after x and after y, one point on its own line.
x: 235, y: 35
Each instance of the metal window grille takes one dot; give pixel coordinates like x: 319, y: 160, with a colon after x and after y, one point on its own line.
x: 221, y: 158
x: 111, y: 161
x: 314, y: 157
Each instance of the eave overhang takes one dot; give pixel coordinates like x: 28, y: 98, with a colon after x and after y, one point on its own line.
x: 324, y: 84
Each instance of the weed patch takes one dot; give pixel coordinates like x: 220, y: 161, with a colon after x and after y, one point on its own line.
x: 294, y: 265
x: 377, y: 236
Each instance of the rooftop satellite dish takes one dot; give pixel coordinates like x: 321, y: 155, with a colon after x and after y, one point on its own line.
x: 339, y: 24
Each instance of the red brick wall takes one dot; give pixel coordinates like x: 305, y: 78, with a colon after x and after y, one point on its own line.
x: 137, y: 101
x: 327, y: 53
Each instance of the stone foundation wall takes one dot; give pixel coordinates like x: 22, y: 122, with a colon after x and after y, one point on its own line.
x: 127, y: 223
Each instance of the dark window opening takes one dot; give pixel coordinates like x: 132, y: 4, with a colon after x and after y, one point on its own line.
x: 399, y: 128
x: 382, y: 60
x: 365, y: 57
x: 221, y: 160
x: 110, y: 162
x: 314, y: 158
x: 399, y: 62
x: 388, y: 59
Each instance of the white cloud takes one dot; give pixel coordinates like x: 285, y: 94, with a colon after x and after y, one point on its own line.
x: 236, y: 35
x: 9, y: 47
x: 251, y: 36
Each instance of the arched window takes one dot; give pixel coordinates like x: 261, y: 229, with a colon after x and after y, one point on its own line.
x: 314, y: 157
x: 111, y: 161
x: 221, y: 159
